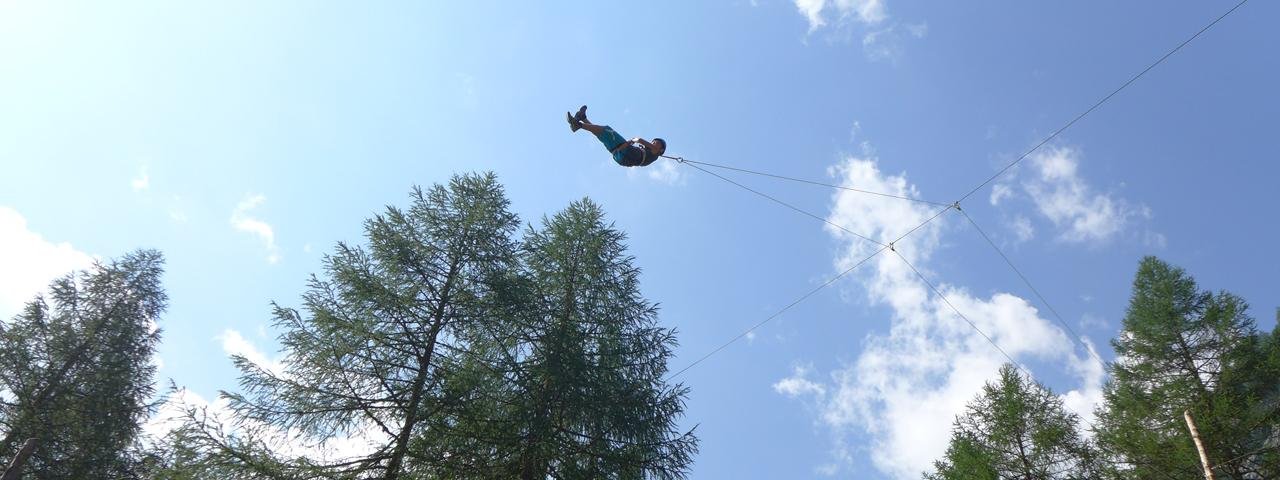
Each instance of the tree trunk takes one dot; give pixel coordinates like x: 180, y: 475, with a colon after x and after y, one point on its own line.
x: 420, y: 381
x: 1195, y: 436
x: 14, y: 472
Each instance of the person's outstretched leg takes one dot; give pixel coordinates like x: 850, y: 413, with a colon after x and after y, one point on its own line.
x: 608, y: 137
x: 591, y: 127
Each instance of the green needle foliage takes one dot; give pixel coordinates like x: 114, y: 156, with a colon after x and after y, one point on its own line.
x: 1186, y: 349
x: 458, y: 352
x: 591, y: 400
x: 76, y: 370
x: 1016, y: 428
x: 371, y: 351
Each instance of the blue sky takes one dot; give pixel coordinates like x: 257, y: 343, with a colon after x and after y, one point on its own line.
x: 245, y: 139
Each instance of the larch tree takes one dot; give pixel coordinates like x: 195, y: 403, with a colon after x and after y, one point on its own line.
x: 1184, y: 349
x: 76, y: 367
x: 370, y: 352
x: 462, y: 353
x: 590, y: 400
x: 566, y: 377
x: 1016, y: 429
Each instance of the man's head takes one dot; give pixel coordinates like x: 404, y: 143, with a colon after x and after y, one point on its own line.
x: 661, y: 144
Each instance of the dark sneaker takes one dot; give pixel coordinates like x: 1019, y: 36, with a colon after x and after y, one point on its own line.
x: 581, y: 116
x: 574, y: 125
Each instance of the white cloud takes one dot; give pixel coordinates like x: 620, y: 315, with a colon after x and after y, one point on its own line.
x: 1089, y: 320
x: 1155, y: 240
x: 999, y: 192
x: 905, y: 387
x: 1062, y: 196
x: 233, y: 343
x: 883, y: 44
x: 285, y: 443
x: 241, y: 220
x: 812, y: 11
x: 169, y: 415
x: 879, y: 42
x: 30, y: 262
x: 665, y: 171
x: 866, y: 11
x: 798, y: 384
x: 1085, y: 400
x: 869, y: 12
x: 918, y: 30
x: 176, y: 213
x: 142, y: 181
x: 1022, y: 229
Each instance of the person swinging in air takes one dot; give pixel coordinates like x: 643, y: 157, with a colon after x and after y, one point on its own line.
x: 629, y: 153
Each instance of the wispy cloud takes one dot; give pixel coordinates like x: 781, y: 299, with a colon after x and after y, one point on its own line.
x: 142, y: 181
x: 662, y: 171
x: 798, y: 384
x: 233, y: 343
x: 30, y: 262
x: 242, y: 221
x: 286, y: 443
x: 1154, y: 240
x: 1022, y: 229
x: 869, y: 12
x: 176, y: 212
x: 881, y: 39
x: 906, y: 385
x: 1069, y: 202
x: 812, y: 11
x: 918, y: 30
x: 666, y: 171
x: 1060, y: 194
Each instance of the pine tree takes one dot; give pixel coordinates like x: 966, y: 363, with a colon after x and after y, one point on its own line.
x: 1016, y: 429
x: 1185, y: 349
x: 590, y: 400
x: 78, y: 369
x: 375, y: 343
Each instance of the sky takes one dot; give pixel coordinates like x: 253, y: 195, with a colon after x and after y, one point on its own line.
x: 245, y: 139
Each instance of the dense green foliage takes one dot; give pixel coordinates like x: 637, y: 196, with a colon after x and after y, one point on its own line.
x: 1183, y: 349
x: 450, y: 345
x: 76, y: 369
x: 585, y: 359
x: 1180, y: 350
x: 1016, y: 428
x: 454, y: 350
